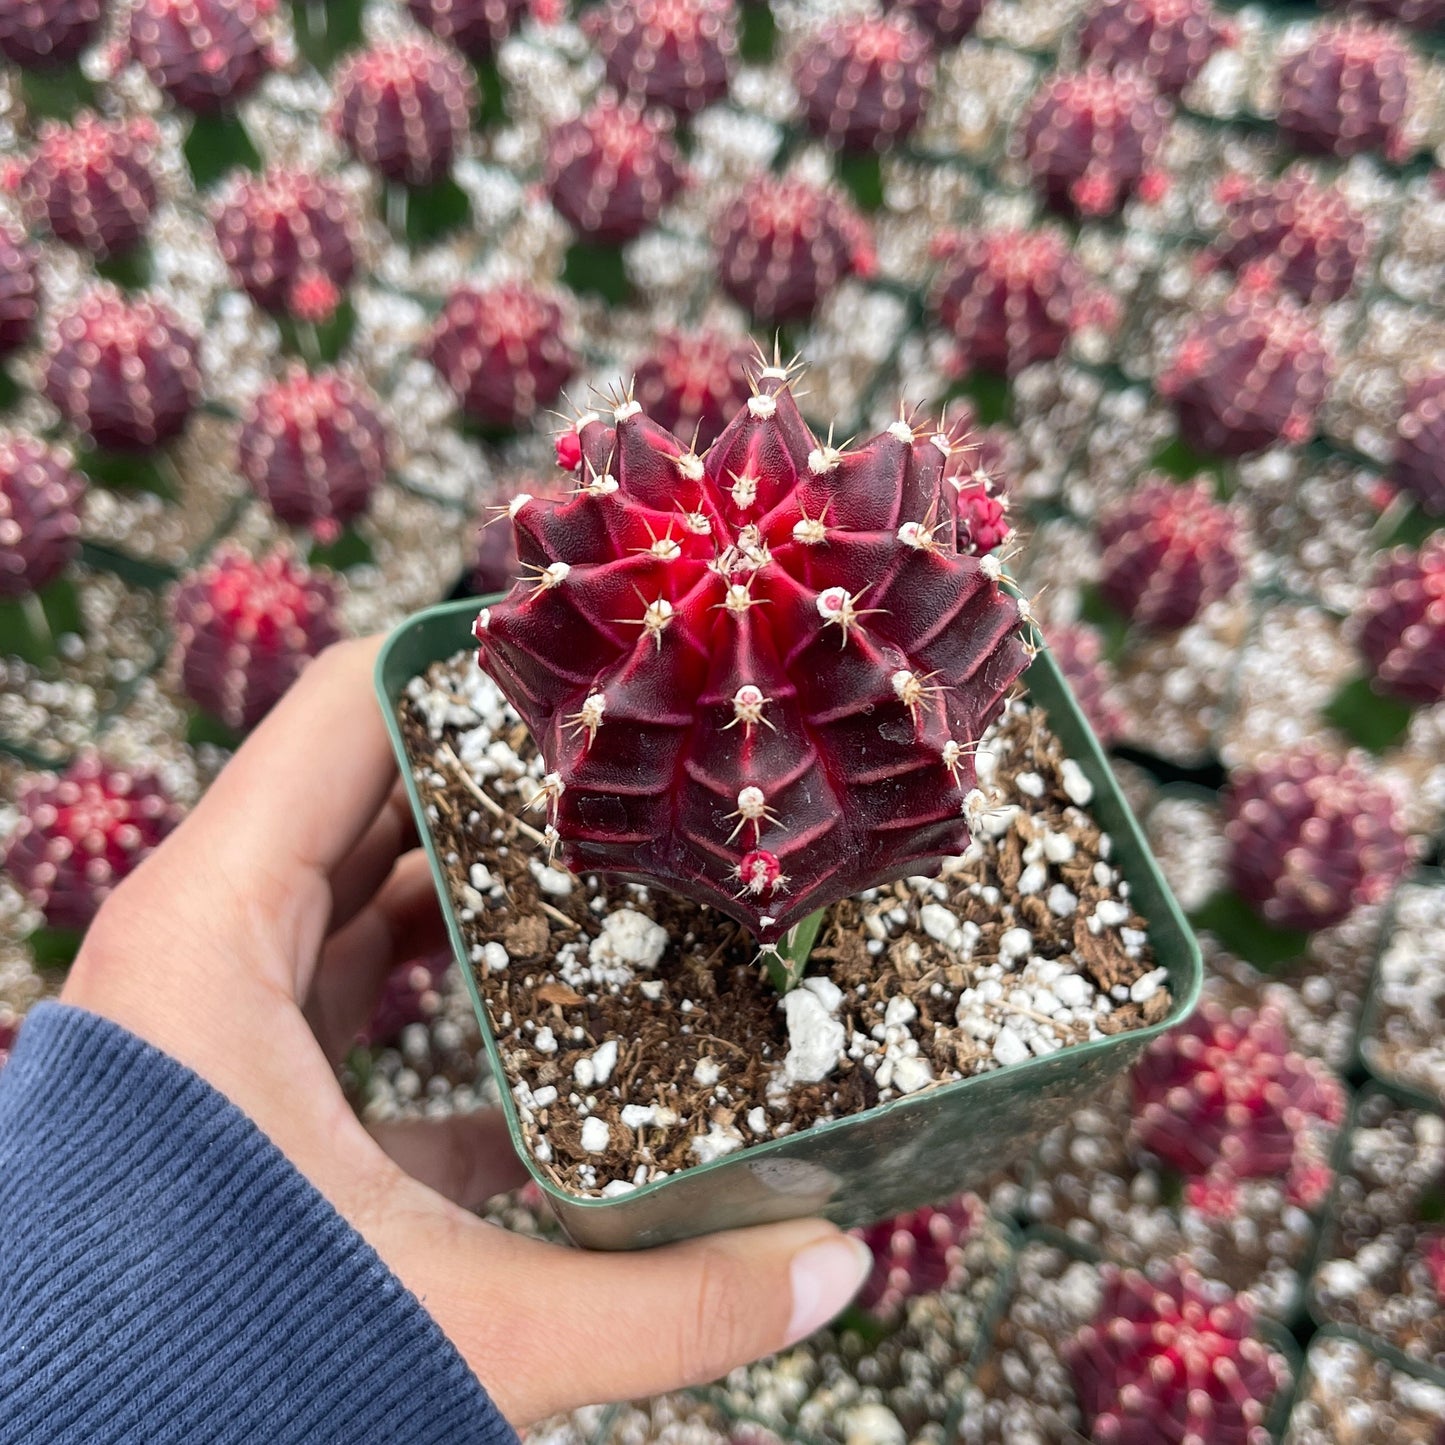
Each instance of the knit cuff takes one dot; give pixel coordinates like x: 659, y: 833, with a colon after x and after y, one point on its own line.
x: 168, y: 1275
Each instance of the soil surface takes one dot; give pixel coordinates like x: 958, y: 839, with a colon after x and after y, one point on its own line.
x: 638, y: 1032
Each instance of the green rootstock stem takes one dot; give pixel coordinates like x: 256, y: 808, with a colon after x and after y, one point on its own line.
x: 787, y: 961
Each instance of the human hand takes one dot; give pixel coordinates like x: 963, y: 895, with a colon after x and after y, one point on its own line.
x: 253, y: 945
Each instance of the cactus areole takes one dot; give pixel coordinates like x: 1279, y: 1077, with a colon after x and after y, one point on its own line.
x: 757, y: 676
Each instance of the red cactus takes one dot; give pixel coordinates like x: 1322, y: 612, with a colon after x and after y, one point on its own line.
x: 864, y: 81
x: 1347, y: 90
x: 1169, y: 41
x: 758, y: 721
x: 1079, y: 651
x: 1012, y: 297
x: 785, y: 244
x: 404, y: 109
x: 122, y: 371
x: 43, y: 34
x: 1090, y: 138
x: 19, y: 293
x: 1248, y: 375
x: 502, y: 352
x: 1402, y: 623
x: 40, y: 495
x: 314, y: 448
x: 475, y: 27
x: 691, y: 383
x: 92, y: 183
x: 80, y: 833
x: 412, y: 995
x: 494, y: 556
x: 973, y: 497
x: 246, y: 627
x: 1293, y: 232
x: 673, y: 53
x: 1169, y: 550
x: 612, y: 170
x: 1312, y: 836
x: 205, y: 54
x: 947, y: 21
x: 915, y: 1254
x: 1173, y: 1360
x: 1420, y: 443
x: 281, y: 232
x: 1225, y: 1098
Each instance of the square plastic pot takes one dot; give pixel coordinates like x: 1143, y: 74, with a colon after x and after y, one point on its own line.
x: 895, y: 1157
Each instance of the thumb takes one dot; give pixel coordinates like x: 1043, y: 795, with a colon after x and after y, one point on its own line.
x: 583, y: 1328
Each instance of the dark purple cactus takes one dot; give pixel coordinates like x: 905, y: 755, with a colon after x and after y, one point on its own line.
x: 121, y: 371
x: 19, y: 291
x: 1420, y: 442
x: 40, y: 495
x: 612, y: 170
x: 205, y: 54
x: 673, y: 53
x: 246, y: 627
x: 1313, y: 836
x: 1347, y: 90
x: 917, y: 1254
x: 756, y: 678
x: 80, y: 832
x: 281, y: 231
x: 784, y: 244
x: 314, y: 448
x: 502, y: 352
x: 1090, y: 139
x: 475, y: 27
x: 692, y: 383
x: 91, y: 183
x: 1167, y: 41
x: 1225, y: 1097
x: 44, y: 34
x: 1173, y: 1359
x: 1401, y: 623
x: 1012, y: 297
x: 1249, y: 375
x: 1293, y: 233
x: 947, y: 21
x: 412, y: 995
x: 1168, y: 551
x: 864, y: 81
x: 404, y: 108
x: 1079, y: 651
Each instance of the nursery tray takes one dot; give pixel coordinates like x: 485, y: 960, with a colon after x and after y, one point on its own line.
x: 896, y: 1156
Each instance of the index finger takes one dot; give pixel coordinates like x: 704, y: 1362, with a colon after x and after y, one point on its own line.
x: 305, y: 786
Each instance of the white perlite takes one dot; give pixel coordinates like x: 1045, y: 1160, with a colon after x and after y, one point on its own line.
x: 815, y: 1038
x: 628, y: 937
x: 597, y: 1067
x: 1076, y: 785
x: 596, y: 1136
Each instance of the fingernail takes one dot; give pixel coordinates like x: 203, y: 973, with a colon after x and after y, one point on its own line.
x: 824, y: 1277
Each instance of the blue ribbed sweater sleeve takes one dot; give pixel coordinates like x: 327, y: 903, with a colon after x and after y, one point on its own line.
x: 167, y: 1275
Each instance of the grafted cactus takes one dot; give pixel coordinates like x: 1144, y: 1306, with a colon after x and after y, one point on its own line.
x: 91, y: 183
x: 1226, y: 1098
x: 1173, y: 1360
x: 756, y: 677
x: 674, y: 53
